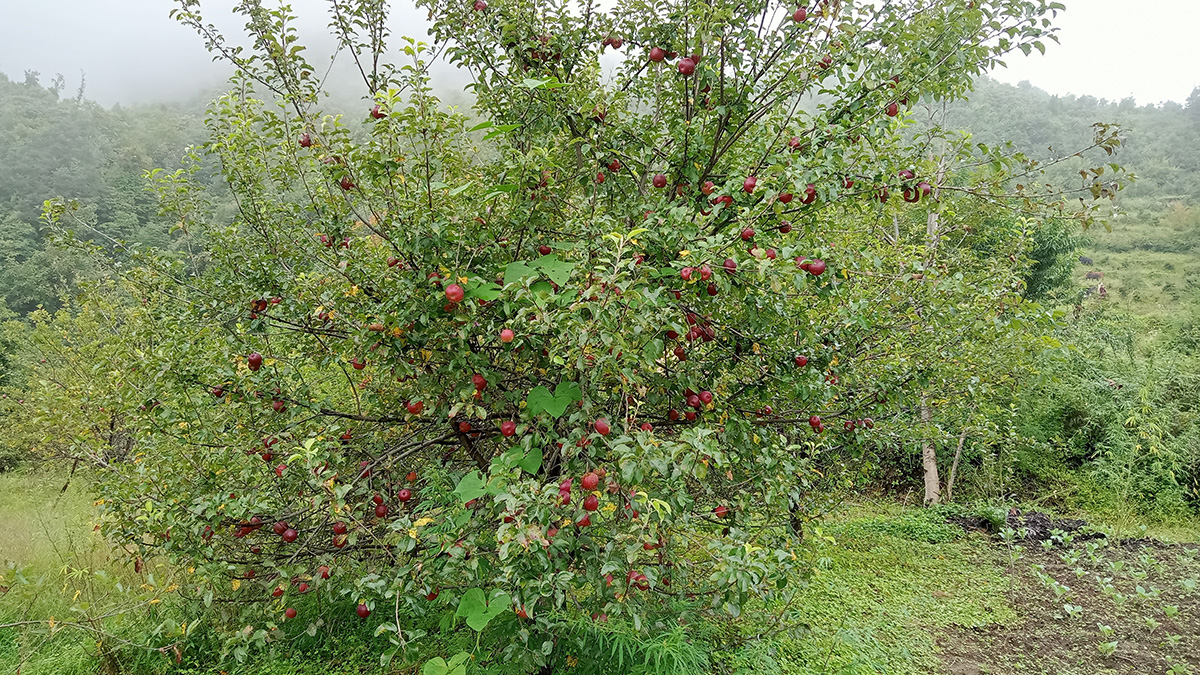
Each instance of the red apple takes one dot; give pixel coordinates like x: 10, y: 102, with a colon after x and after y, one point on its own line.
x: 305, y: 140
x: 602, y: 427
x: 346, y: 183
x: 590, y: 481
x: 708, y: 188
x: 339, y: 527
x: 785, y: 198
x: 508, y: 428
x: 377, y: 113
x: 404, y: 495
x: 816, y: 267
x: 289, y: 613
x: 660, y: 180
x: 749, y: 184
x: 362, y: 610
x: 415, y: 407
x: 254, y: 361
x: 686, y: 66
x: 323, y: 571
x: 657, y: 54
x: 799, y: 15
x: 801, y: 361
x: 591, y: 503
x: 747, y: 234
x: 544, y: 249
x: 893, y: 109
x: 289, y: 535
x: 721, y: 511
x: 455, y: 293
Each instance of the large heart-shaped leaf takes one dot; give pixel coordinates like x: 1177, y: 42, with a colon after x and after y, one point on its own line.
x: 540, y: 400
x: 532, y: 461
x: 559, y: 271
x: 471, y: 486
x: 478, y: 612
x: 515, y: 272
x: 457, y: 665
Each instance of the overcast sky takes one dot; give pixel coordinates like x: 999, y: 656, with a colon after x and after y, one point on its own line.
x: 131, y: 51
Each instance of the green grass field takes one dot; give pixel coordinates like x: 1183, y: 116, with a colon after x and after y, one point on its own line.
x: 894, y: 590
x: 1150, y: 264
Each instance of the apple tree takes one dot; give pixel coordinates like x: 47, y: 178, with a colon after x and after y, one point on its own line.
x: 594, y: 351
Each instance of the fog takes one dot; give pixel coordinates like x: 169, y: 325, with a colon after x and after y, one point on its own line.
x: 131, y: 51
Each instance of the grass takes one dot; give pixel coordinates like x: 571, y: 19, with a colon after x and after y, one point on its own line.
x: 894, y: 590
x: 887, y: 584
x: 1150, y: 265
x: 885, y: 579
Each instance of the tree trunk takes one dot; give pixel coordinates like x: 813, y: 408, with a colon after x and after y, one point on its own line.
x: 954, y: 466
x: 933, y: 485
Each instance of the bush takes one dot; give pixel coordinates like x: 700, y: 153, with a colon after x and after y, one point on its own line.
x: 517, y: 372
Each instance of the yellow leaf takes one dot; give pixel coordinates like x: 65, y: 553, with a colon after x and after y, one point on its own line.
x: 423, y: 522
x: 236, y: 583
x: 684, y: 253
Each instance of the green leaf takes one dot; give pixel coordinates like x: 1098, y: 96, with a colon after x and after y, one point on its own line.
x: 502, y: 129
x: 532, y: 461
x: 559, y: 271
x: 486, y: 292
x: 472, y: 486
x: 540, y: 399
x: 653, y: 349
x: 478, y: 611
x: 516, y: 272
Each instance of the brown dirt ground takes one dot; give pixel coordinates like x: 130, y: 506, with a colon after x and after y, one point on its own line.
x: 1045, y: 640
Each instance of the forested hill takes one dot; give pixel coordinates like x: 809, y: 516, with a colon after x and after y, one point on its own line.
x: 55, y: 145
x: 1163, y: 142
x: 61, y: 145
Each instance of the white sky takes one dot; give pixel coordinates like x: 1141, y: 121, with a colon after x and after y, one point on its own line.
x: 132, y: 51
x: 1148, y: 49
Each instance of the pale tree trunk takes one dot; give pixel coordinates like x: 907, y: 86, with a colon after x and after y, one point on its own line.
x: 954, y: 466
x: 933, y: 485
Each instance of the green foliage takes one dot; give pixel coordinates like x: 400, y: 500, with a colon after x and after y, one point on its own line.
x: 928, y: 526
x: 75, y: 150
x: 328, y: 356
x: 1119, y: 415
